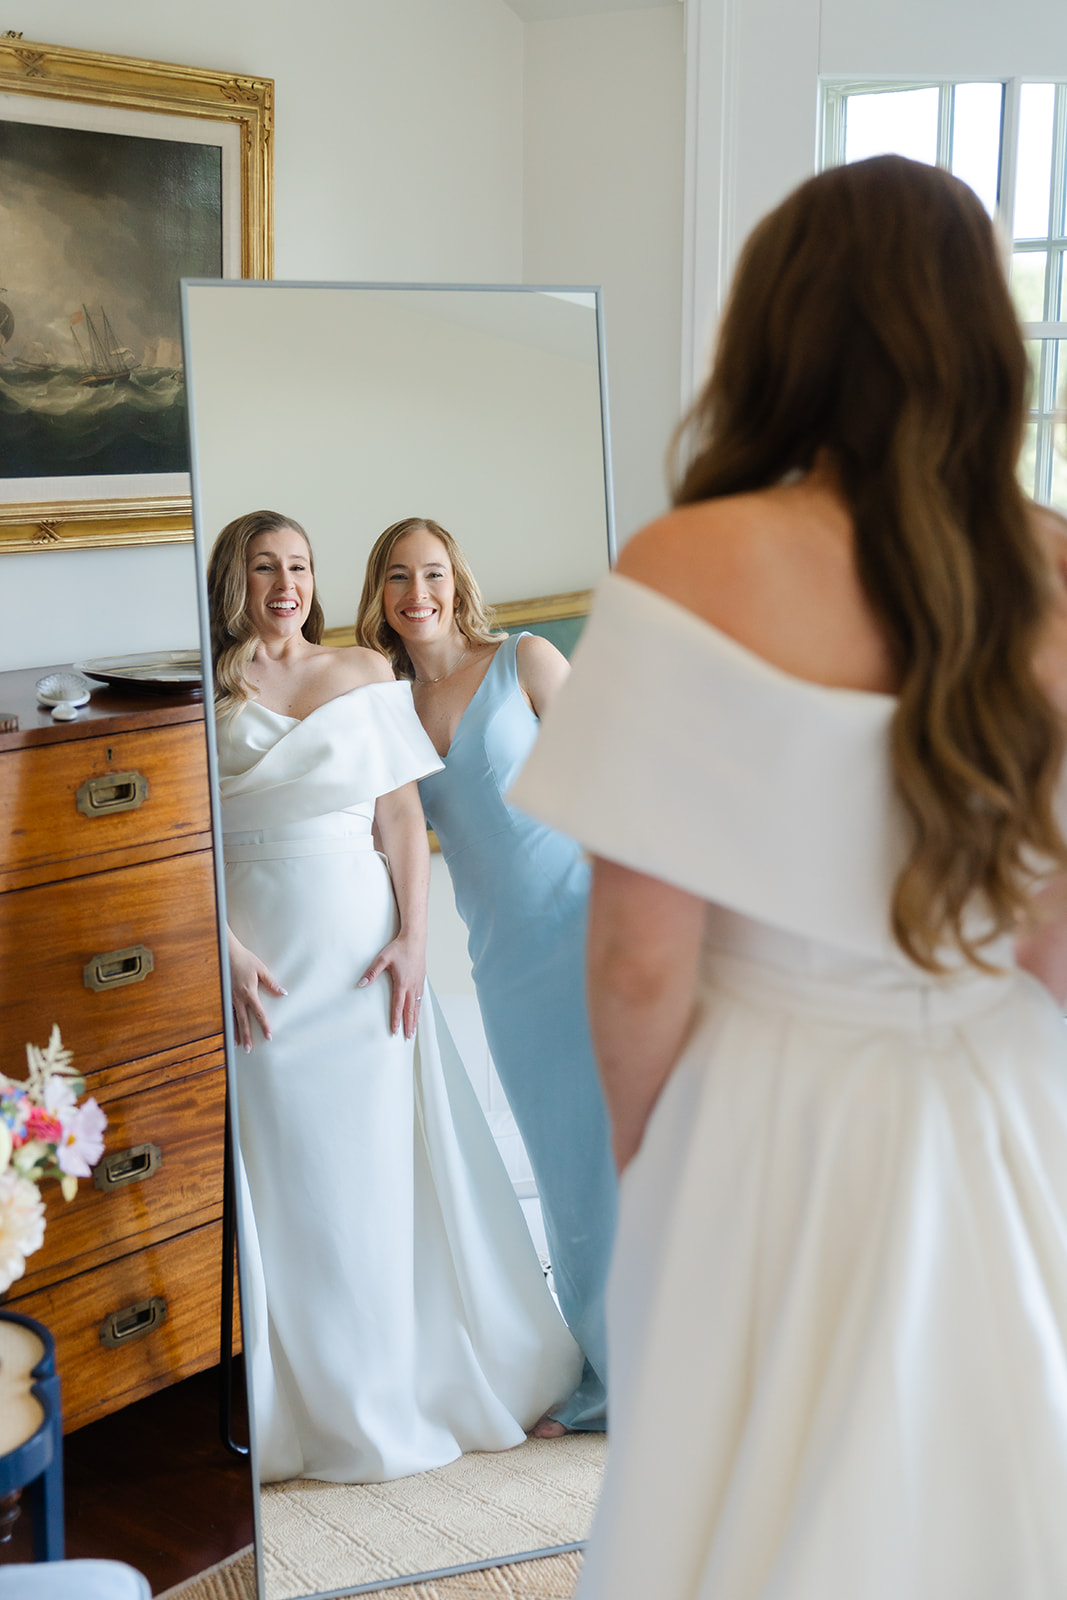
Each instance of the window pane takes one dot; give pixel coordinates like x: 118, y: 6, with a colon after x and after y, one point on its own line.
x: 1033, y: 174
x: 976, y: 138
x: 901, y: 122
x: 1059, y: 353
x: 1033, y: 358
x: 1059, y: 467
x: 1028, y: 284
x: 1028, y: 458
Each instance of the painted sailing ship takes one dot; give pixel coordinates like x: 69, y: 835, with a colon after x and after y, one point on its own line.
x: 106, y: 361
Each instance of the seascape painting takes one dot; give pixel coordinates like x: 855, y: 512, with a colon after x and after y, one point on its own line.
x: 96, y: 229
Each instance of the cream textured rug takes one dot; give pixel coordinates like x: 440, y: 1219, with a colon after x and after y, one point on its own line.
x: 321, y: 1536
x: 550, y: 1578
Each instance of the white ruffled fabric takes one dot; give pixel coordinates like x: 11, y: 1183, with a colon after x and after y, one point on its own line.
x: 838, y: 1315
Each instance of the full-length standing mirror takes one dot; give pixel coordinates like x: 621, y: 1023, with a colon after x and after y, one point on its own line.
x: 349, y: 408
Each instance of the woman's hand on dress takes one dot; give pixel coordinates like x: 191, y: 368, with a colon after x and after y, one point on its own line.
x: 405, y: 961
x: 247, y: 973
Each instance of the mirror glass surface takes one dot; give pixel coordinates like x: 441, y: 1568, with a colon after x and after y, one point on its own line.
x: 349, y: 407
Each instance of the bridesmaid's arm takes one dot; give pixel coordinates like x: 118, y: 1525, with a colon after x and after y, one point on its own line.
x: 542, y: 669
x: 644, y: 947
x: 401, y: 826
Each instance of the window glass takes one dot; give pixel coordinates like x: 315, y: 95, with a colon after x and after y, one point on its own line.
x: 900, y: 122
x: 1028, y: 284
x: 1028, y: 457
x: 1033, y: 171
x: 976, y: 119
x: 1058, y: 496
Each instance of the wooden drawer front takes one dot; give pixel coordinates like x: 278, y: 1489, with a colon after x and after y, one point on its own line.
x: 184, y: 1272
x: 185, y: 1121
x: 49, y: 935
x: 39, y: 788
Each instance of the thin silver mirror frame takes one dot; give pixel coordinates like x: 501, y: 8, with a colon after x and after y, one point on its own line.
x: 201, y: 550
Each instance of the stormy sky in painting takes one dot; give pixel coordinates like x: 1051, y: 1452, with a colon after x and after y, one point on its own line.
x: 103, y: 219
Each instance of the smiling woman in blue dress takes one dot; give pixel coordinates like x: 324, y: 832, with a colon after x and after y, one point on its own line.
x: 522, y: 890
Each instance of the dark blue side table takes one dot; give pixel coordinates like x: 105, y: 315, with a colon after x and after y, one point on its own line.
x: 35, y: 1463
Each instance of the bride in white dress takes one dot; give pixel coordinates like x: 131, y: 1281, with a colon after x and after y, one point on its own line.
x: 812, y: 737
x: 398, y: 1313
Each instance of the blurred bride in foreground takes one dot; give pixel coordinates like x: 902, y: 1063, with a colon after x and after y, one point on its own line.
x: 812, y: 736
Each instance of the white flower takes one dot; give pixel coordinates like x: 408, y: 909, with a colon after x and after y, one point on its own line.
x: 59, y: 1098
x: 83, y: 1139
x: 5, y: 1145
x: 21, y: 1225
x: 28, y: 1156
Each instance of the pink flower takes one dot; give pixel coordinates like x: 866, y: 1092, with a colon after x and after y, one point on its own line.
x: 82, y: 1143
x: 40, y: 1124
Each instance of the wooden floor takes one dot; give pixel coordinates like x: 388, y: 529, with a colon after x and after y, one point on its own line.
x: 154, y: 1486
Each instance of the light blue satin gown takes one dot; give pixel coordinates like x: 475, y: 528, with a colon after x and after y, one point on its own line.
x: 522, y: 889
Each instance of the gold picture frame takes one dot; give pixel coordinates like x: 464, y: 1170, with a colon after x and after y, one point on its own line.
x: 505, y: 614
x: 243, y: 107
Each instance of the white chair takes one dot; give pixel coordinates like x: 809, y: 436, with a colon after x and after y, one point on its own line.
x: 73, y: 1580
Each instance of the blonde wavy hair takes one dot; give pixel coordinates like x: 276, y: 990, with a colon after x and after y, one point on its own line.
x: 870, y: 320
x: 233, y: 638
x: 372, y: 629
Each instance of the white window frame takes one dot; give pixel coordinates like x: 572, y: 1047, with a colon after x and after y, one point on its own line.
x: 1053, y: 327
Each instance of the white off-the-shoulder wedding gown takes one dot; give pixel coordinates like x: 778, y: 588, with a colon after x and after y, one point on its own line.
x: 838, y: 1313
x: 398, y: 1314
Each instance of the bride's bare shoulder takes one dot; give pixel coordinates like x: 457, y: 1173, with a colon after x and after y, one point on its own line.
x: 357, y: 666
x: 776, y: 570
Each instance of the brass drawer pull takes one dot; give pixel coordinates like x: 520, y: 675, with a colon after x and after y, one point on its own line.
x: 115, y: 791
x: 132, y: 1322
x: 127, y: 1166
x: 115, y: 968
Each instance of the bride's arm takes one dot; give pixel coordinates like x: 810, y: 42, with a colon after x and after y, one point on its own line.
x: 401, y: 826
x: 644, y: 946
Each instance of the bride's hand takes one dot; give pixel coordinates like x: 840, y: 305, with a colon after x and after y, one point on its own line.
x: 247, y: 973
x: 405, y: 962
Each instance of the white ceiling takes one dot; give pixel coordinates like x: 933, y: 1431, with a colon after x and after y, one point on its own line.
x: 544, y: 10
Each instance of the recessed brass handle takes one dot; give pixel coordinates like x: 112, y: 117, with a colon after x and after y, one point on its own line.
x: 115, y: 791
x: 127, y: 1166
x: 115, y: 968
x: 132, y: 1322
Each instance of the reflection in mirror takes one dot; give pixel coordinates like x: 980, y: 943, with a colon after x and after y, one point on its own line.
x: 396, y: 1315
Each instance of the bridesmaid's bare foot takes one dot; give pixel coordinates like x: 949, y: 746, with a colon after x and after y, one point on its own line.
x: 549, y: 1428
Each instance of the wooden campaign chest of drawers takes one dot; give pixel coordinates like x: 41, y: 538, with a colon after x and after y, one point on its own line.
x: 107, y: 928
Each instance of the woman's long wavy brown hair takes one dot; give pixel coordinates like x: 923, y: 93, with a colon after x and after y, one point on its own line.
x: 870, y: 320
x: 233, y: 639
x: 372, y: 630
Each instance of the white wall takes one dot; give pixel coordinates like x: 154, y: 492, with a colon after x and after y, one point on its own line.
x: 752, y: 101
x: 604, y: 140
x: 398, y: 155
x: 481, y: 410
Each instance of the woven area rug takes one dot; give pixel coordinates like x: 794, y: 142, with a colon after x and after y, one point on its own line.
x: 550, y: 1578
x: 322, y: 1536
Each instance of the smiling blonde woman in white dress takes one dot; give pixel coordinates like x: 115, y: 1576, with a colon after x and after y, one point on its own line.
x: 397, y: 1314
x: 812, y: 736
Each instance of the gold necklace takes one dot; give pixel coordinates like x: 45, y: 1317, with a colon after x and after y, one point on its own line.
x: 463, y: 653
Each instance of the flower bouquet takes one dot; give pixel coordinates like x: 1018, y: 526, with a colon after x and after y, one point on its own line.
x: 44, y: 1133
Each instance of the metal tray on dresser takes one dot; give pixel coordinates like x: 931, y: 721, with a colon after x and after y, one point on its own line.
x: 107, y: 927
